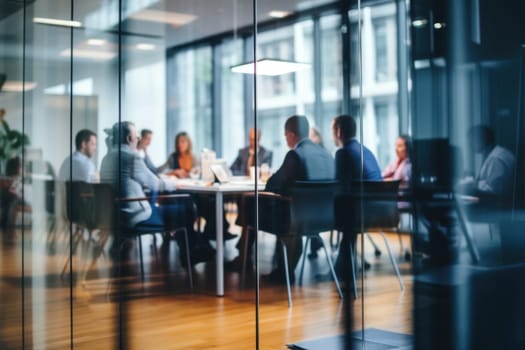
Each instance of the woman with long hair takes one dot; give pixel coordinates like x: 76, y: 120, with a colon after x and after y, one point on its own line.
x: 182, y: 160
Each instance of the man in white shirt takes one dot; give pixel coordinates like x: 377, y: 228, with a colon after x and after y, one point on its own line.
x: 79, y: 166
x: 495, y: 177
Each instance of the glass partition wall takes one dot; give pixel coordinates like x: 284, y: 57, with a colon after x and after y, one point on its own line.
x: 76, y: 272
x: 84, y: 80
x: 93, y: 246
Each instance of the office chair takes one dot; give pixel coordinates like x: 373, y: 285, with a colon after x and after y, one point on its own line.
x: 108, y: 222
x: 306, y: 212
x: 80, y: 213
x: 372, y: 206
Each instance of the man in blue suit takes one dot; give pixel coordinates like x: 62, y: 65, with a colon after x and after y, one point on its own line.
x: 349, y: 166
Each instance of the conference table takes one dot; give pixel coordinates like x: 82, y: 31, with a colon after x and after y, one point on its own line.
x: 236, y: 185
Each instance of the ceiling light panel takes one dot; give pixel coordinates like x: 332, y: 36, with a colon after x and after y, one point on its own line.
x: 57, y: 22
x: 174, y: 19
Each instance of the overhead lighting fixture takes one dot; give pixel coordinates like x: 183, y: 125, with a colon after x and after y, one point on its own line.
x: 96, y: 42
x: 418, y: 23
x: 439, y: 25
x: 175, y: 19
x: 57, y: 22
x: 279, y: 14
x: 270, y: 67
x: 145, y: 47
x: 18, y: 86
x: 89, y: 54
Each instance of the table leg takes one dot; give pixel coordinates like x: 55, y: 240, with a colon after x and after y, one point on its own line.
x: 466, y: 232
x: 219, y: 204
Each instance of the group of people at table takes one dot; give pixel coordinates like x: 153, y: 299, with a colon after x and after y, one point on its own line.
x: 128, y: 163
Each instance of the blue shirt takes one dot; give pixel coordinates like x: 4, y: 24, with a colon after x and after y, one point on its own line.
x: 348, y: 165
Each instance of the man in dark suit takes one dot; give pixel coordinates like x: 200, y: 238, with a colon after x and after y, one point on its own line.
x: 304, y: 161
x: 246, y: 157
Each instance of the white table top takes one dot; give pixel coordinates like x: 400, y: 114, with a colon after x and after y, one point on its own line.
x: 236, y: 184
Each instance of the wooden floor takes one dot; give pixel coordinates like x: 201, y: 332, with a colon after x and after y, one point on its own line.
x: 162, y: 312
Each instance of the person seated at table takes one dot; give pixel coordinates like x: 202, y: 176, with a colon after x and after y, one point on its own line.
x: 304, y: 161
x: 180, y: 164
x: 246, y: 157
x: 182, y: 160
x: 130, y: 174
x: 495, y: 178
x: 79, y: 166
x: 401, y: 167
x: 142, y: 147
x: 11, y: 198
x: 350, y: 167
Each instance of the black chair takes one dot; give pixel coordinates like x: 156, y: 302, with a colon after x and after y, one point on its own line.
x: 81, y: 215
x: 107, y: 221
x: 306, y: 212
x: 371, y: 206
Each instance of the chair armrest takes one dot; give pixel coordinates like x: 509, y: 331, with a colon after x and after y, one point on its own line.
x: 274, y: 212
x: 160, y: 196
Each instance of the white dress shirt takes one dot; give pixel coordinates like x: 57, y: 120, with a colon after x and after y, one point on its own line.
x: 83, y: 168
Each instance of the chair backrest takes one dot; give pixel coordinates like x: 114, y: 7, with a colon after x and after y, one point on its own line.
x: 105, y: 212
x: 44, y: 190
x: 372, y: 204
x: 312, y: 206
x: 309, y: 209
x: 274, y: 212
x: 80, y: 203
x: 436, y: 165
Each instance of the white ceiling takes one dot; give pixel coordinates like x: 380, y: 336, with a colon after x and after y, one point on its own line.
x: 211, y: 16
x: 51, y: 44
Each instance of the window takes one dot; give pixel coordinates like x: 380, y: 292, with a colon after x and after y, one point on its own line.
x: 190, y: 97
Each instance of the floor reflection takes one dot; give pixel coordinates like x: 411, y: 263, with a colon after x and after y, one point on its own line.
x: 162, y: 311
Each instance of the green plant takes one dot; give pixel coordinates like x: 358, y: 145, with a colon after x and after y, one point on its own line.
x: 12, y: 142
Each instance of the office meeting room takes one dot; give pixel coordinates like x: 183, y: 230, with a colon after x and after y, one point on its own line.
x: 262, y: 174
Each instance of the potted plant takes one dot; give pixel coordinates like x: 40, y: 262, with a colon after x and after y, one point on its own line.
x: 12, y: 142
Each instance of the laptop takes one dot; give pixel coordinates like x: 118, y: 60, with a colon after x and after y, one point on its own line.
x: 221, y: 171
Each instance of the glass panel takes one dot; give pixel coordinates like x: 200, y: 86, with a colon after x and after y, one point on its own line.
x: 94, y: 90
x: 467, y: 101
x: 47, y: 274
x: 233, y: 102
x: 281, y: 96
x: 11, y: 112
x: 190, y: 79
x: 287, y: 106
x: 374, y: 105
x: 331, y: 76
